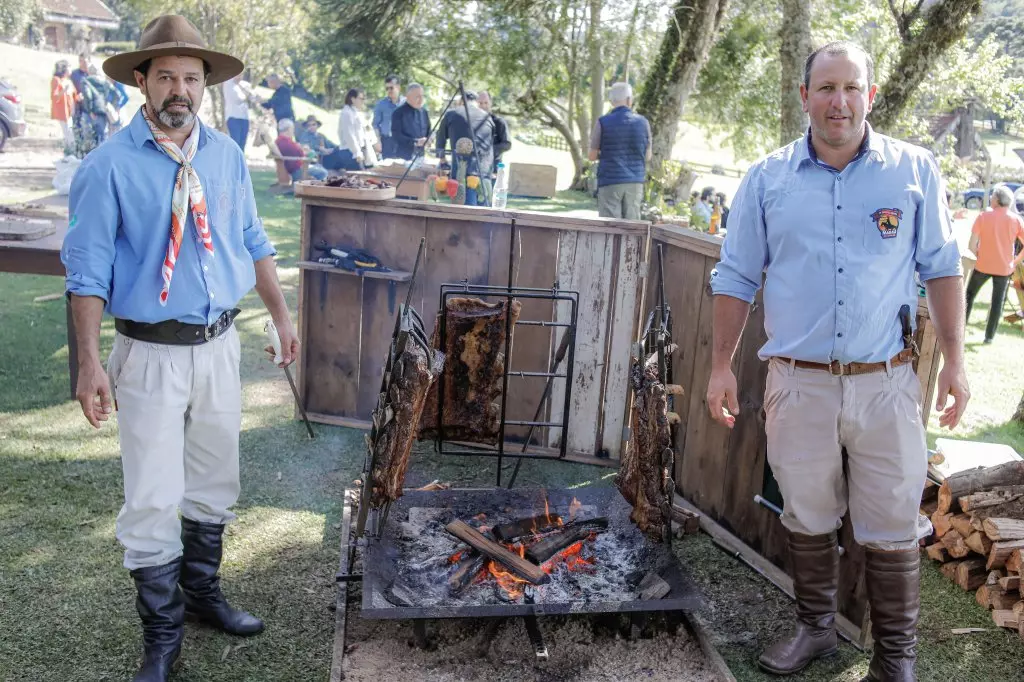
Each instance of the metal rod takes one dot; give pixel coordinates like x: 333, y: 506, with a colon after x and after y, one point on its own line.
x: 564, y: 445
x: 523, y: 422
x: 775, y: 508
x: 550, y: 375
x: 302, y: 410
x: 518, y: 293
x: 415, y: 270
x: 508, y: 338
x: 542, y: 323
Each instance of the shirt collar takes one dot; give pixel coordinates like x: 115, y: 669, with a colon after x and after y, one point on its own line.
x: 871, y: 146
x: 141, y: 133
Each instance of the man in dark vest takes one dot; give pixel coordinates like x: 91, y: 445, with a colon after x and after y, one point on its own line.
x: 622, y: 140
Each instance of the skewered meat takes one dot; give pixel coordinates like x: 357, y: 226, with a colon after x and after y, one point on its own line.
x: 640, y: 474
x: 472, y: 377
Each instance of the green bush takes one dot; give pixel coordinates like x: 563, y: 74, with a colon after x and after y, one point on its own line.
x: 114, y: 47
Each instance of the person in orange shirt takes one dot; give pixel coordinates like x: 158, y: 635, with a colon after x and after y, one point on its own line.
x: 993, y: 237
x: 62, y: 101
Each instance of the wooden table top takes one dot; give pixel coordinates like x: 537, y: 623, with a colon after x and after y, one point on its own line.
x: 36, y: 256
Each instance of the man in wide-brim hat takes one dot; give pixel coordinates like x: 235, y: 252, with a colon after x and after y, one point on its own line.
x: 164, y: 236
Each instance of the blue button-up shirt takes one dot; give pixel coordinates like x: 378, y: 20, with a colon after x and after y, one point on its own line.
x: 120, y: 224
x: 382, y: 115
x: 837, y: 249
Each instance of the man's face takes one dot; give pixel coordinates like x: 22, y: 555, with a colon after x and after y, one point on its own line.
x: 173, y: 89
x: 83, y: 64
x: 483, y: 100
x: 393, y: 89
x: 414, y: 98
x: 839, y: 98
x: 273, y: 83
x: 313, y: 127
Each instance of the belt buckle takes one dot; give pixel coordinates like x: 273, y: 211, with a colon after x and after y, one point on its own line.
x: 833, y: 366
x: 206, y: 334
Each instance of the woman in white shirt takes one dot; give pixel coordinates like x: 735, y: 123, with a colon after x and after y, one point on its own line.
x: 352, y: 132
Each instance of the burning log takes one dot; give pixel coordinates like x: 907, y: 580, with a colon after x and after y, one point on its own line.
x: 468, y: 567
x: 641, y: 473
x: 475, y: 348
x: 507, y: 532
x: 516, y: 564
x: 397, y: 416
x: 567, y: 535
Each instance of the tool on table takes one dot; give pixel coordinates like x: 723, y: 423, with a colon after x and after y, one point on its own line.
x: 908, y: 330
x: 355, y: 260
x: 275, y: 341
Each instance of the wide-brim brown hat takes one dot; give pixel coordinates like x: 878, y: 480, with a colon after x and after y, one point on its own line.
x: 172, y: 36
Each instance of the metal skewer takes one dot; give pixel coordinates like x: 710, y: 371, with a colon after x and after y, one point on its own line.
x: 275, y: 341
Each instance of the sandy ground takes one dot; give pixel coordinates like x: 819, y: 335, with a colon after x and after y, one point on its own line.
x: 580, y: 648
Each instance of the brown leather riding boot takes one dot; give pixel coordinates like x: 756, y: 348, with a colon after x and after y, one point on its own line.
x: 815, y: 561
x: 893, y: 580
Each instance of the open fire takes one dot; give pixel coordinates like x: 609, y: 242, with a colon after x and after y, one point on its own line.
x: 528, y: 539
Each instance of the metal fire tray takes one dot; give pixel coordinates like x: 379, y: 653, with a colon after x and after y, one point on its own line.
x: 413, y: 549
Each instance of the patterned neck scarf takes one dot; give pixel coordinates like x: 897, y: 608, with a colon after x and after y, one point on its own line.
x: 187, y: 190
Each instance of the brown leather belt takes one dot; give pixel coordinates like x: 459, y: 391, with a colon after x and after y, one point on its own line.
x: 834, y: 368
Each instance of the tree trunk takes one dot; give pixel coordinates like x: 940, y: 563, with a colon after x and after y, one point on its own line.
x: 630, y: 37
x: 582, y: 120
x: 692, y: 29
x: 1018, y: 416
x: 944, y: 24
x: 793, y: 50
x: 596, y: 62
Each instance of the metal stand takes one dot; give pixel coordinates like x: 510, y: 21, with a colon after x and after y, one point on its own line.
x: 508, y: 293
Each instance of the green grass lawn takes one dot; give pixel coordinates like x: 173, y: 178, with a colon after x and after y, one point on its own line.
x: 66, y: 606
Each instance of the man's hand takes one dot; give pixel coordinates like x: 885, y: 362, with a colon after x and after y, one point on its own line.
x: 722, y: 389
x: 93, y: 392
x: 952, y: 382
x: 377, y: 147
x: 289, y: 343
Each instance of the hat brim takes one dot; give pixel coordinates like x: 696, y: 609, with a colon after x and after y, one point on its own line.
x: 223, y: 67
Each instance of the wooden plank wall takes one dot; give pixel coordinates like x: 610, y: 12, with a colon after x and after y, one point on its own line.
x: 346, y: 321
x: 720, y: 470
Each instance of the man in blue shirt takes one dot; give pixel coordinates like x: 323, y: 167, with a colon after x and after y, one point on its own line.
x: 622, y: 140
x: 164, y: 236
x: 382, y: 113
x: 281, y: 101
x: 837, y: 223
x: 410, y: 124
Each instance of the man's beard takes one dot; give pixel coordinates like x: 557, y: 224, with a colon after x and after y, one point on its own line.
x: 174, y: 119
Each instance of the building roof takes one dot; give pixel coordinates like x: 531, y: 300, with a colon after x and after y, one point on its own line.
x: 84, y: 9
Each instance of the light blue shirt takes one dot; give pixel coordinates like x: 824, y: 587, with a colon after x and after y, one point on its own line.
x: 120, y: 223
x: 838, y: 250
x: 382, y: 115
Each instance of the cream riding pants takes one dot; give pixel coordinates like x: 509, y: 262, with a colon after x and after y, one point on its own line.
x: 812, y: 415
x: 178, y: 415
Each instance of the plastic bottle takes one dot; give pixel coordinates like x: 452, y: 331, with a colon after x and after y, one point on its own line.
x: 500, y: 194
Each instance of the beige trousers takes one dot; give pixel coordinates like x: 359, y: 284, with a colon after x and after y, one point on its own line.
x: 178, y: 415
x: 620, y: 201
x: 811, y: 415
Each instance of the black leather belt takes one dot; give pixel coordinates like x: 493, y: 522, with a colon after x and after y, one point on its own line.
x: 174, y: 333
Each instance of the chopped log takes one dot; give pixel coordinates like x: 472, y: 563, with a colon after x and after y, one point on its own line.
x: 1001, y: 551
x: 507, y: 532
x: 1010, y: 582
x: 930, y: 493
x: 977, y: 480
x: 513, y: 562
x: 653, y: 587
x: 568, y: 534
x: 467, y: 569
x: 948, y: 569
x: 947, y: 504
x: 1020, y: 627
x: 930, y: 507
x: 689, y: 523
x: 1018, y: 609
x: 977, y: 522
x: 1003, y: 529
x: 674, y: 389
x: 993, y: 577
x: 1000, y: 600
x: 1005, y: 618
x: 962, y: 524
x: 978, y: 543
x: 954, y: 543
x: 941, y: 522
x: 983, y: 596
x: 970, y: 574
x: 1007, y: 510
x: 1015, y: 562
x: 938, y: 552
x: 991, y: 498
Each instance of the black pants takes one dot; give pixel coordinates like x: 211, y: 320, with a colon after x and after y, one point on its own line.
x: 999, y: 284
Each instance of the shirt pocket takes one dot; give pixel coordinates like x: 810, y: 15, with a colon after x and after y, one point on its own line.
x: 886, y: 221
x: 223, y: 203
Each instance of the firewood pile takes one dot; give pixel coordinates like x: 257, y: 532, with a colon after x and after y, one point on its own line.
x: 978, y: 517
